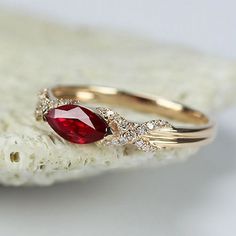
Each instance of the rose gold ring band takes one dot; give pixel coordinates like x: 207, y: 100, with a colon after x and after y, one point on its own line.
x: 62, y: 107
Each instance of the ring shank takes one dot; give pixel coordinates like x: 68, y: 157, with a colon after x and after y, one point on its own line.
x: 201, y: 133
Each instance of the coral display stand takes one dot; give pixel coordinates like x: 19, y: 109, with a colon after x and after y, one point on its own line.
x: 36, y: 54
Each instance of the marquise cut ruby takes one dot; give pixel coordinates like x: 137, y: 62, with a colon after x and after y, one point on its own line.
x: 77, y: 124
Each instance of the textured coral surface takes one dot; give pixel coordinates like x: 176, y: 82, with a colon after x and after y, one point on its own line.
x: 36, y: 54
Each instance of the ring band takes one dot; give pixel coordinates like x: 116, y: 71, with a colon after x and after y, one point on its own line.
x: 62, y: 108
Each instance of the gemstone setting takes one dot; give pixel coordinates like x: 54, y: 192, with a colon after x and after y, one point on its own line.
x: 77, y: 124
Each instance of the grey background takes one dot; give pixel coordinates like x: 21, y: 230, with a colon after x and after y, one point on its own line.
x: 194, y: 198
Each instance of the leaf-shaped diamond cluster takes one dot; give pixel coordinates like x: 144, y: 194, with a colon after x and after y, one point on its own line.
x: 124, y: 132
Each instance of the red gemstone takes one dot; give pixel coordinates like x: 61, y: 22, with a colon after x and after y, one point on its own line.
x: 77, y: 124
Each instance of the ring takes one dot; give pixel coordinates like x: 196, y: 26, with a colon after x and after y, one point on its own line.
x: 61, y: 107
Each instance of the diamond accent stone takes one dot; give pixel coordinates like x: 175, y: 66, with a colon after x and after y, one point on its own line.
x: 150, y: 125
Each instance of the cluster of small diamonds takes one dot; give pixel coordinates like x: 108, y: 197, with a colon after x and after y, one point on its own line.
x: 125, y: 132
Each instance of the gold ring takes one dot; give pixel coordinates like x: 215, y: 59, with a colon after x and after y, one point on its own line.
x: 61, y: 107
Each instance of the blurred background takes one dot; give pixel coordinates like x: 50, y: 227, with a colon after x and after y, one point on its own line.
x: 205, y: 24
x: 193, y: 198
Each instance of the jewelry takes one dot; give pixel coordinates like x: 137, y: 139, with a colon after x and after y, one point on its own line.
x: 61, y: 107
